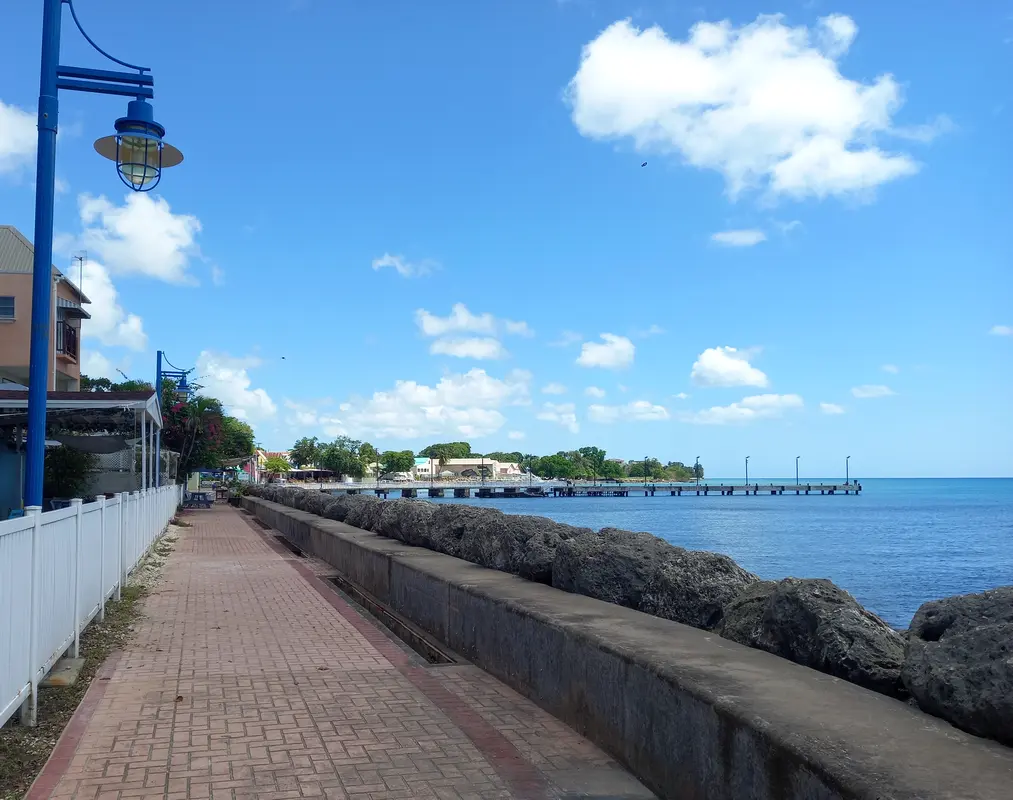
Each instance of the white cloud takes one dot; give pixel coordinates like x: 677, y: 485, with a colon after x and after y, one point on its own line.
x: 553, y: 388
x: 594, y: 391
x: 893, y: 369
x: 227, y: 378
x: 726, y: 366
x: 405, y: 268
x: 475, y: 347
x: 1002, y: 330
x: 516, y: 435
x: 681, y: 396
x: 461, y: 320
x: 871, y: 390
x: 142, y: 236
x: 615, y: 352
x: 831, y: 408
x: 308, y: 418
x: 622, y: 388
x: 562, y: 414
x: 96, y: 365
x: 653, y: 330
x: 637, y: 411
x: 787, y: 227
x: 761, y: 406
x: 109, y: 322
x: 467, y: 404
x: 764, y: 104
x: 566, y: 338
x: 739, y: 238
x: 18, y: 136
x: 217, y: 275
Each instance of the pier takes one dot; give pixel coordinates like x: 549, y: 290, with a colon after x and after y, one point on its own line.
x: 597, y: 490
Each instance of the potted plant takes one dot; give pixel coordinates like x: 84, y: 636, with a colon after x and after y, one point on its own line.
x: 65, y: 472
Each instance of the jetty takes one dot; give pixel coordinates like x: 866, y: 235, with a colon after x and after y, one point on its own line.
x: 562, y: 489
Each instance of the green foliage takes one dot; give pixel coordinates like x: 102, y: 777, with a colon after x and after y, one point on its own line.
x: 106, y: 385
x: 447, y: 450
x: 368, y: 454
x: 397, y: 461
x: 236, y: 439
x: 593, y: 458
x: 343, y: 457
x: 65, y: 471
x: 276, y: 464
x: 305, y: 452
x: 510, y: 458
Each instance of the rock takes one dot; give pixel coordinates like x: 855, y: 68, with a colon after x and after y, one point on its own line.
x: 408, y: 521
x: 363, y: 511
x: 819, y: 625
x: 451, y: 522
x: 641, y: 571
x: 693, y: 587
x: 317, y: 503
x: 521, y: 544
x: 959, y: 662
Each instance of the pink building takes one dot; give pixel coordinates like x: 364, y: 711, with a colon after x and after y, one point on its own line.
x: 16, y: 254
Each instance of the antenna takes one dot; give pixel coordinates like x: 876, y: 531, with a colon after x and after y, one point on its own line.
x: 123, y: 374
x: 81, y: 259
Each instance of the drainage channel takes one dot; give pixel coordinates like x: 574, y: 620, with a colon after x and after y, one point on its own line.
x: 395, y: 625
x: 289, y: 545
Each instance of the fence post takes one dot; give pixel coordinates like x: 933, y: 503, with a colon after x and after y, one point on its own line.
x: 29, y: 709
x: 119, y: 560
x: 76, y: 505
x: 102, y: 558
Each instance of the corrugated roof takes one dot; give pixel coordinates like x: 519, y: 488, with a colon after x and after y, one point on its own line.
x: 63, y: 302
x: 17, y: 256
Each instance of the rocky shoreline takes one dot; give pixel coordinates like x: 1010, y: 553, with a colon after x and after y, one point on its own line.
x: 955, y: 661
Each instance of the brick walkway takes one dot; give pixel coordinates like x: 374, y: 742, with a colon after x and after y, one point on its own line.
x: 250, y: 677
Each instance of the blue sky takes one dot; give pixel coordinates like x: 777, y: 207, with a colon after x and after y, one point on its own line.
x: 413, y: 222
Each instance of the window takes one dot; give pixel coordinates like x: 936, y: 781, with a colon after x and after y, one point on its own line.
x: 6, y: 307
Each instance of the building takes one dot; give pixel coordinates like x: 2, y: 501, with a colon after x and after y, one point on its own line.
x: 426, y: 468
x: 16, y: 256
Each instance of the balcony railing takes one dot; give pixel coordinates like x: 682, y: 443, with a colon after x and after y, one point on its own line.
x: 66, y: 340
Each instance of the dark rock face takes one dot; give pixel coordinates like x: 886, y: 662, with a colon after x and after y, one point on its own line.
x: 408, y: 521
x: 959, y: 662
x: 641, y: 571
x: 363, y: 511
x: 821, y: 626
x: 450, y: 524
x: 523, y: 545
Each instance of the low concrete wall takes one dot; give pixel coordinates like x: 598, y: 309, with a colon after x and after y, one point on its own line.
x: 690, y: 714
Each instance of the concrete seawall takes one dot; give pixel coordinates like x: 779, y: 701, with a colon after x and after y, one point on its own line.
x: 690, y: 714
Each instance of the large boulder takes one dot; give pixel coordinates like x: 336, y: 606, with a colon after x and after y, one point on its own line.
x: 408, y: 521
x: 363, y: 511
x: 819, y: 625
x: 641, y: 571
x: 521, y: 544
x: 317, y: 502
x: 959, y: 662
x: 450, y: 524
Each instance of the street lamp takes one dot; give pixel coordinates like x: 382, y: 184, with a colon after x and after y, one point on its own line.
x: 747, y: 472
x: 182, y: 393
x: 696, y: 471
x: 140, y: 156
x: 847, y: 470
x: 796, y: 469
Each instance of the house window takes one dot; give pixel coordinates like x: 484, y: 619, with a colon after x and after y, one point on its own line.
x: 6, y: 308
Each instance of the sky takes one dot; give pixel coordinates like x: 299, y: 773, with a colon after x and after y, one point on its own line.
x: 661, y: 228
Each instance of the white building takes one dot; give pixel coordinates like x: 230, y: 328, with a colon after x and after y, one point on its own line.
x: 430, y: 468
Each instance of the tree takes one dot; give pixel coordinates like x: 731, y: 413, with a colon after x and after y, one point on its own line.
x: 613, y: 470
x: 276, y: 464
x: 397, y: 461
x: 509, y: 458
x: 594, y: 459
x: 236, y: 439
x: 447, y: 451
x: 304, y: 452
x: 368, y: 453
x: 106, y: 385
x: 65, y: 471
x: 343, y: 457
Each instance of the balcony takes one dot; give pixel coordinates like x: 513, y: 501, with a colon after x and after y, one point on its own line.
x: 66, y: 342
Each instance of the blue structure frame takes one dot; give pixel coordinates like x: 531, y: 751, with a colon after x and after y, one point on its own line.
x: 182, y: 388
x: 54, y: 76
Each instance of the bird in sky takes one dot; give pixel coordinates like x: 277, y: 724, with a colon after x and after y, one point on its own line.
x: 644, y: 164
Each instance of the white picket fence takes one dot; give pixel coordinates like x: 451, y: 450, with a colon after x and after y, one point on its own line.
x: 57, y: 570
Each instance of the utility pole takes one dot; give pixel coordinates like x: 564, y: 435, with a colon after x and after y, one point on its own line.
x: 796, y: 469
x: 696, y: 472
x: 847, y: 470
x: 747, y: 472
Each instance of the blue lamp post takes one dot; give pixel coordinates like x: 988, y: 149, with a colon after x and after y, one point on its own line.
x: 140, y: 156
x: 183, y: 392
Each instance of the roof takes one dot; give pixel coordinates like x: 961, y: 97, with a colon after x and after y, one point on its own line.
x: 17, y: 255
x: 72, y: 307
x: 148, y: 401
x: 420, y: 461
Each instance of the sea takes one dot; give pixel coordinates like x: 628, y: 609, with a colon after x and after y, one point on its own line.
x: 898, y: 544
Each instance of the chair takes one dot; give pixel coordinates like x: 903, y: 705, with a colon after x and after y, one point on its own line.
x: 16, y: 513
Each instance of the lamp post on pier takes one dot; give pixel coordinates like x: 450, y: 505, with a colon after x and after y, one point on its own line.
x: 796, y: 469
x: 140, y: 156
x: 847, y: 470
x: 696, y: 471
x: 747, y: 472
x: 182, y: 392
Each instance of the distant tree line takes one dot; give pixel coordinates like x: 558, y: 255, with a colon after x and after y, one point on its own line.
x: 350, y: 457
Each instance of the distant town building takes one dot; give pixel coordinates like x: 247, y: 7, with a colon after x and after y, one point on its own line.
x: 426, y: 468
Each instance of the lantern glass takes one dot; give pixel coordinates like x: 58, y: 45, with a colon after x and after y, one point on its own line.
x: 139, y: 159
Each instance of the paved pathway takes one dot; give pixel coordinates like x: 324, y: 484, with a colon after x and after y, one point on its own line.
x: 250, y: 677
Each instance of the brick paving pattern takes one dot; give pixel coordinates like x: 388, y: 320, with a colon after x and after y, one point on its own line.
x: 248, y: 678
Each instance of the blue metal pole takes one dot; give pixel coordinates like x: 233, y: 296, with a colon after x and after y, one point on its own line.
x: 158, y: 433
x: 45, y: 186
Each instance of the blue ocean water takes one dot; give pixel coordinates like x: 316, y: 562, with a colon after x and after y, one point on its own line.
x: 898, y: 544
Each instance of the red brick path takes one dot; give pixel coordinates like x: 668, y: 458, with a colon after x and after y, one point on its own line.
x: 249, y: 677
